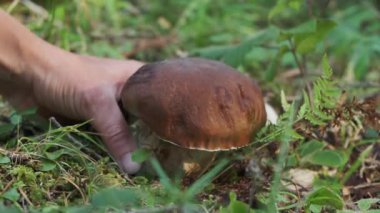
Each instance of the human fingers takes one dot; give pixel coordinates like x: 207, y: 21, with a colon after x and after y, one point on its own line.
x: 108, y: 120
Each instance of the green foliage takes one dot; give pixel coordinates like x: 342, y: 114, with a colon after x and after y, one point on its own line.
x: 312, y: 152
x: 365, y: 204
x: 355, y: 166
x: 354, y: 40
x: 12, y: 195
x: 11, y: 209
x: 329, y: 158
x: 310, y: 147
x: 324, y: 197
x: 281, y: 5
x: 114, y: 199
x: 4, y: 159
x: 234, y: 55
x: 205, y: 180
x: 235, y: 206
x: 141, y: 155
x: 308, y: 35
x: 6, y: 129
x: 325, y: 97
x: 317, y: 111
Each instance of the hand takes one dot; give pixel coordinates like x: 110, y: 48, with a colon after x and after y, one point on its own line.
x: 83, y: 88
x: 34, y: 72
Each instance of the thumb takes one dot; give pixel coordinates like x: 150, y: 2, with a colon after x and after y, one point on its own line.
x: 108, y: 120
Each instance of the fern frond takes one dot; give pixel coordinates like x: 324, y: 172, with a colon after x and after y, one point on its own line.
x: 325, y: 97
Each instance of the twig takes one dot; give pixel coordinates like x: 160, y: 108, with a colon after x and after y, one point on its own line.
x: 126, y: 177
x: 25, y: 196
x: 16, y: 157
x: 74, y: 140
x: 85, y: 200
x: 365, y: 185
x: 9, y: 184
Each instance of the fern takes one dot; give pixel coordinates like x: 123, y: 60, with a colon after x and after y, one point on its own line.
x: 277, y: 132
x: 325, y: 96
x: 317, y: 112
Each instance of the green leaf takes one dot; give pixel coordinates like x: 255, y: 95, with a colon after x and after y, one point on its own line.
x: 315, y: 208
x: 115, y: 198
x: 282, y: 5
x: 306, y: 42
x: 329, y: 158
x: 322, y: 115
x: 291, y: 161
x: 4, y: 159
x: 293, y: 135
x: 306, y: 27
x: 164, y: 179
x: 310, y: 147
x: 235, y: 206
x: 140, y: 180
x: 325, y: 197
x: 206, y: 179
x: 305, y: 106
x: 56, y: 154
x: 327, y: 70
x: 361, y: 63
x: 234, y: 55
x: 12, y: 195
x: 314, y: 119
x: 141, y: 155
x: 333, y: 183
x: 277, y: 9
x: 6, y: 129
x: 357, y: 163
x: 15, y: 118
x: 365, y: 204
x: 295, y: 4
x: 47, y: 165
x: 285, y: 105
x: 270, y: 73
x: 29, y: 111
x: 9, y: 209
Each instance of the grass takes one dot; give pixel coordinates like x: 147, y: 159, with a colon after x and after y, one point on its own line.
x: 329, y: 132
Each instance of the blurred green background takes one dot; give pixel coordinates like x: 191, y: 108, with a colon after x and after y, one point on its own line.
x: 252, y: 35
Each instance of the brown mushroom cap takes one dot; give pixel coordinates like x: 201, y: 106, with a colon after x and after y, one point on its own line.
x: 196, y: 103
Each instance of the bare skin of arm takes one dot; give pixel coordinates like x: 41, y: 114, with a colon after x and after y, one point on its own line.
x: 36, y: 73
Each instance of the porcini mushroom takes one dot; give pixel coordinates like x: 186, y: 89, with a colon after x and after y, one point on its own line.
x: 196, y: 103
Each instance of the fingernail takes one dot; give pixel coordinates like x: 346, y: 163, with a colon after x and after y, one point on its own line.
x: 128, y: 165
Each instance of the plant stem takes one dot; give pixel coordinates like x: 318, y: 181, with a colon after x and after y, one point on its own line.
x: 278, y: 168
x: 303, y: 70
x: 356, y: 164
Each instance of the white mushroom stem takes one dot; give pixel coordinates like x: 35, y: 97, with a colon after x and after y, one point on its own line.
x: 272, y: 115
